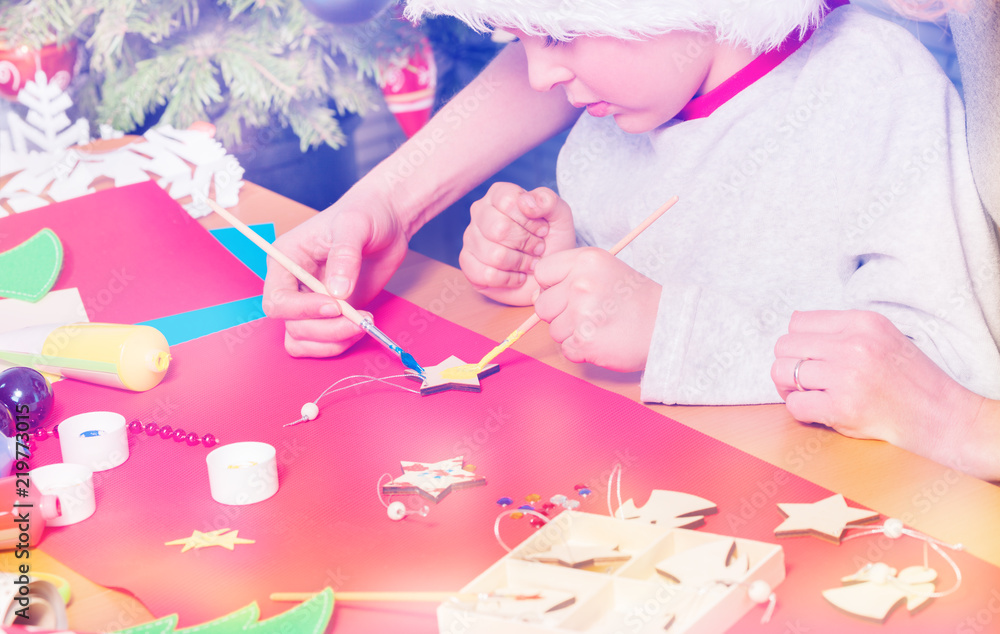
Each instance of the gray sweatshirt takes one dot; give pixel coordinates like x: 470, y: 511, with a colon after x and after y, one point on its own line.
x: 838, y: 180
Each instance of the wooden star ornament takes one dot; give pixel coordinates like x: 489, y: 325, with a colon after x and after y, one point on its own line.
x: 433, y: 480
x: 826, y: 519
x: 452, y: 374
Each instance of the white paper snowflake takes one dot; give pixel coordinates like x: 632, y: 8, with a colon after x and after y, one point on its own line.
x: 43, y: 167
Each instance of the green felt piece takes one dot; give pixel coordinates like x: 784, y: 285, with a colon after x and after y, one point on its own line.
x: 30, y: 269
x: 165, y: 625
x: 309, y: 617
x: 239, y: 621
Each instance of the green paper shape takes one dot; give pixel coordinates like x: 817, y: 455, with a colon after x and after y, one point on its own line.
x: 239, y: 621
x: 309, y: 617
x: 30, y: 269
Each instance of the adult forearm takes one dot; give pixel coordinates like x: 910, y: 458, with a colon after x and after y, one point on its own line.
x: 492, y: 121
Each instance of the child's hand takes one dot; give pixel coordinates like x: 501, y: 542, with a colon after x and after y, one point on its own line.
x: 510, y: 230
x: 600, y: 309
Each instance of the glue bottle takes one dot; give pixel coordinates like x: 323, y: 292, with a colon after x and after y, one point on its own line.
x: 125, y: 356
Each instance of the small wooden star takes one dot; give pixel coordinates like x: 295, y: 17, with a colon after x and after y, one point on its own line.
x: 579, y: 555
x: 221, y: 537
x: 452, y: 374
x: 433, y: 480
x: 827, y: 519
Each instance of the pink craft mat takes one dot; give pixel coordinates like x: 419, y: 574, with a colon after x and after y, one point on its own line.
x: 135, y: 254
x: 532, y: 429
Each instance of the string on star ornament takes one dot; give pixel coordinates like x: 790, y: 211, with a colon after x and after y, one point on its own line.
x: 310, y: 411
x: 397, y: 510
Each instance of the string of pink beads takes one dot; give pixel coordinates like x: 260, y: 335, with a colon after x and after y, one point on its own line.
x: 166, y: 432
x: 135, y: 427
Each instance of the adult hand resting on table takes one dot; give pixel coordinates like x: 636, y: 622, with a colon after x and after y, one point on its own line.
x: 856, y: 372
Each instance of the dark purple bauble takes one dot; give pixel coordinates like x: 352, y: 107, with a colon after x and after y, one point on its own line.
x: 20, y: 387
x: 346, y: 11
x: 7, y: 422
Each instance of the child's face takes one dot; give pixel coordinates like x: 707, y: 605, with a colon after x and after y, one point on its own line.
x: 641, y: 83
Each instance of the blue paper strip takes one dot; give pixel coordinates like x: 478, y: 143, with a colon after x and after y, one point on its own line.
x: 246, y: 251
x: 205, y: 321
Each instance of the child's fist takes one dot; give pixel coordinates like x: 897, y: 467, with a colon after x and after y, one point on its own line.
x: 510, y: 230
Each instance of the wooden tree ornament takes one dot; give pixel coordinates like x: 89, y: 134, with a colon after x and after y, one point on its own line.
x: 669, y: 509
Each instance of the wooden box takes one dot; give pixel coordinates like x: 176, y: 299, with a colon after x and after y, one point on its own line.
x: 623, y: 592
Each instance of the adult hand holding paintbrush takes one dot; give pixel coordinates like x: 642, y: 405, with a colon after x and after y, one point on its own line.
x: 364, y: 321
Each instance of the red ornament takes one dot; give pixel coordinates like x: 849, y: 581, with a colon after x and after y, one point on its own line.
x: 409, y: 88
x: 18, y: 66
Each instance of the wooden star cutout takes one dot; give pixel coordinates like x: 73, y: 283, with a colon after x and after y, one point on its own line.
x: 669, y: 509
x: 827, y: 519
x: 433, y: 480
x: 579, y: 555
x: 221, y: 537
x: 452, y: 374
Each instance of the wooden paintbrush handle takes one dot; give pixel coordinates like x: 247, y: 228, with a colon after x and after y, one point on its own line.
x: 289, y: 265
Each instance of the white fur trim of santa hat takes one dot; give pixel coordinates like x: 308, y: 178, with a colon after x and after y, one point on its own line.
x: 759, y: 24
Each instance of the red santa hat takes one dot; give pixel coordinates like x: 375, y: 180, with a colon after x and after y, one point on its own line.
x: 759, y: 24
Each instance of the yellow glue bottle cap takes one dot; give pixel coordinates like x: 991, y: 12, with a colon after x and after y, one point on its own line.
x: 158, y: 361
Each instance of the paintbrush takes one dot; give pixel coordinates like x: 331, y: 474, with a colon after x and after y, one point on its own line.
x: 532, y: 321
x: 306, y: 278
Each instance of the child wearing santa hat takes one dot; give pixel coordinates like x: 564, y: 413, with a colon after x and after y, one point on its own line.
x: 820, y: 160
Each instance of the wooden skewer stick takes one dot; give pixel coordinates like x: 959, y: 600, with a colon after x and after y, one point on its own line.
x: 434, y: 597
x: 532, y: 321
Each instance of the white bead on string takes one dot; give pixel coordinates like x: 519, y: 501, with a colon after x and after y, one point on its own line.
x: 310, y: 411
x: 397, y: 510
x: 894, y: 529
